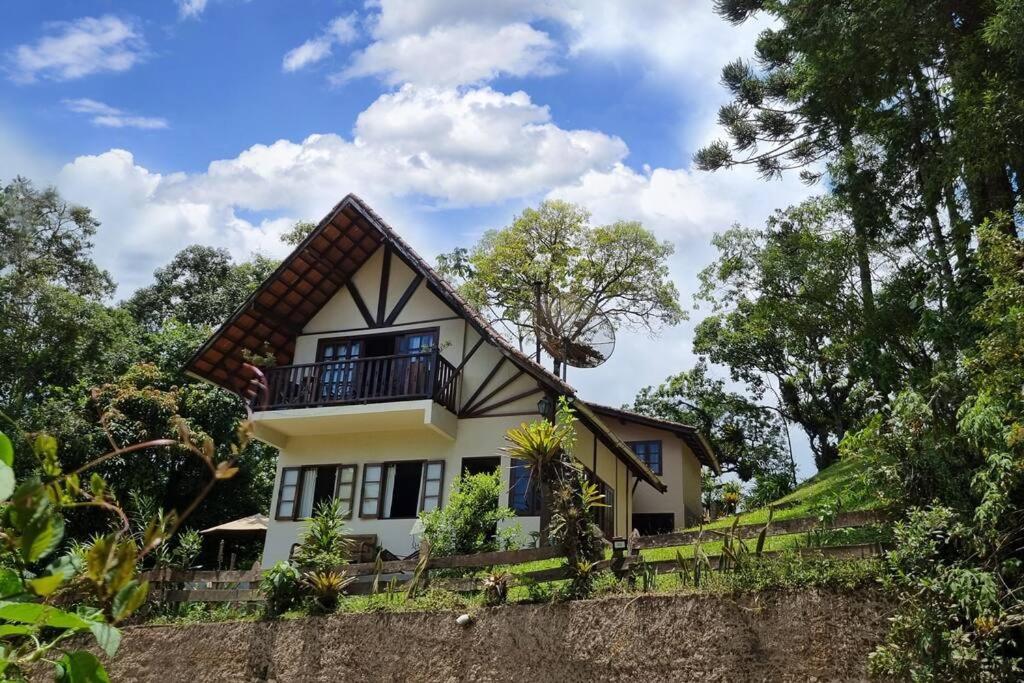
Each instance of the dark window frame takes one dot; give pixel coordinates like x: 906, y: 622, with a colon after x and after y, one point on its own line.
x: 295, y: 498
x: 424, y: 478
x: 646, y: 456
x: 384, y: 474
x: 325, y: 341
x: 338, y: 484
x: 532, y: 495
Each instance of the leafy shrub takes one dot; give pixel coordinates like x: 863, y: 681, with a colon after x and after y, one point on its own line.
x: 323, y: 545
x: 470, y: 522
x: 325, y: 587
x: 281, y: 587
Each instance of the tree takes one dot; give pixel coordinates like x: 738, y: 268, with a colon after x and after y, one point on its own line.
x: 748, y: 439
x: 55, y: 328
x: 786, y: 318
x: 550, y: 277
x: 200, y: 286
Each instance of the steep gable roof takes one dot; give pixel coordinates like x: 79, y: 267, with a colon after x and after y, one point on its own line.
x: 315, y: 271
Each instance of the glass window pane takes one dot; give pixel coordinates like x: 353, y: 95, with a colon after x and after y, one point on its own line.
x: 429, y: 504
x: 373, y: 473
x: 434, y: 470
x: 369, y: 507
x: 347, y: 474
x: 286, y: 509
x: 433, y: 488
x: 345, y: 492
x: 290, y: 477
x: 371, y: 490
x: 288, y: 493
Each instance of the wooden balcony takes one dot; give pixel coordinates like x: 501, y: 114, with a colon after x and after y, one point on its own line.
x: 379, y: 379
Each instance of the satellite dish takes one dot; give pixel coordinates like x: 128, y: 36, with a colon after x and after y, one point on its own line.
x: 589, y: 347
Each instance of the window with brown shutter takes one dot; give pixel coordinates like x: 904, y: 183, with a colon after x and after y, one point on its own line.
x: 433, y: 480
x: 346, y: 488
x: 288, y: 493
x: 369, y: 498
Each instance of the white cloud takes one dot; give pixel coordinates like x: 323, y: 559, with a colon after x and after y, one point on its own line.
x: 111, y: 117
x: 341, y: 30
x: 73, y: 49
x: 456, y: 54
x: 455, y: 148
x: 189, y: 9
x: 682, y: 203
x: 450, y: 42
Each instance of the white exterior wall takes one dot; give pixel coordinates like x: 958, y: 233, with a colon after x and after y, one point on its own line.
x: 680, y: 473
x: 472, y: 437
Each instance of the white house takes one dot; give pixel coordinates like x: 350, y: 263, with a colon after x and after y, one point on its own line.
x: 387, y: 385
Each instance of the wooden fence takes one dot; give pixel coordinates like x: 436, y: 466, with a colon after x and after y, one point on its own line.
x: 241, y: 586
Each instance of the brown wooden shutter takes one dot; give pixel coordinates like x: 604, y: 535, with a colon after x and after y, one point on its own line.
x: 288, y: 493
x: 372, y: 491
x: 433, y: 485
x: 345, y: 488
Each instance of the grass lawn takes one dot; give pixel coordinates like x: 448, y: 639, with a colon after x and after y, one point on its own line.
x: 846, y: 484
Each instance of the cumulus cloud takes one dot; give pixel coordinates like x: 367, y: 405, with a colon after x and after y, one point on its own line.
x: 340, y: 31
x: 73, y: 49
x: 112, y: 117
x: 467, y: 147
x: 451, y: 42
x: 456, y: 54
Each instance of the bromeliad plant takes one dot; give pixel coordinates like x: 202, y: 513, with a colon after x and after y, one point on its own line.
x: 46, y: 598
x: 569, y: 499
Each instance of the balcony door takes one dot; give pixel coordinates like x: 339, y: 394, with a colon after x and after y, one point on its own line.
x: 413, y: 371
x: 337, y: 378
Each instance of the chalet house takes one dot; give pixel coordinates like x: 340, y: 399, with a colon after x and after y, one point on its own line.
x: 385, y: 385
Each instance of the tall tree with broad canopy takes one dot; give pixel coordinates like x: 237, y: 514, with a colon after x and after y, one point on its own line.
x: 550, y: 275
x: 748, y: 439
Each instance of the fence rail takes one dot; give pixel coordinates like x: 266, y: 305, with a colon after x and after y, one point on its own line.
x: 241, y: 586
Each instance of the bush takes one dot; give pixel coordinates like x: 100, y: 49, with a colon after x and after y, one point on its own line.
x: 323, y: 545
x: 282, y: 587
x: 470, y: 522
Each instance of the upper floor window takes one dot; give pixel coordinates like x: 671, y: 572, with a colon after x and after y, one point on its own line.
x: 649, y: 452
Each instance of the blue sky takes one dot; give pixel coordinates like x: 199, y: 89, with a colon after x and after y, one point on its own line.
x: 224, y: 121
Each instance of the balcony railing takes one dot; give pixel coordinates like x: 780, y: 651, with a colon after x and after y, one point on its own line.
x: 403, y: 377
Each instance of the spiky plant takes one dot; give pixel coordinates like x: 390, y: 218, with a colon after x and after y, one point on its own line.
x: 325, y: 587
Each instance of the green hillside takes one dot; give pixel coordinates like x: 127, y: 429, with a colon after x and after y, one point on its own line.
x: 844, y: 486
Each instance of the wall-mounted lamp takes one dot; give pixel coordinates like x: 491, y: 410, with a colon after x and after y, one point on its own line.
x: 544, y: 406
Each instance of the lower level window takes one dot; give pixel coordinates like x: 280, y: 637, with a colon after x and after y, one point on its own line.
x: 401, y: 490
x: 523, y: 491
x: 303, y: 489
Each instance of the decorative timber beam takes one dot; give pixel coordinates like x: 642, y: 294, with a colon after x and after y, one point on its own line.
x: 360, y: 304
x: 406, y: 295
x: 475, y: 407
x: 385, y: 276
x: 483, y: 385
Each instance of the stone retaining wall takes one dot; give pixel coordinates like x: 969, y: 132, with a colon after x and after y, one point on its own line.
x: 782, y: 636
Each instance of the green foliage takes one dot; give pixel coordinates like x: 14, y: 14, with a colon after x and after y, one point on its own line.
x: 748, y: 439
x: 471, y: 521
x: 281, y: 587
x: 732, y: 494
x: 325, y: 587
x: 550, y: 274
x: 46, y: 599
x: 323, y: 545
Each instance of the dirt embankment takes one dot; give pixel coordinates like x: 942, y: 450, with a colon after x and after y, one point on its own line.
x: 788, y: 636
